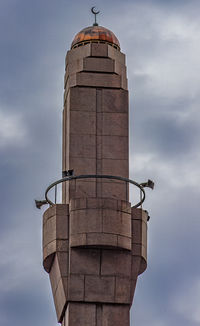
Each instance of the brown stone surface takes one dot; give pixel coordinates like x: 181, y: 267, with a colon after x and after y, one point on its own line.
x: 124, y: 242
x: 78, y: 53
x: 52, y: 247
x: 112, y: 190
x: 122, y: 292
x: 124, y: 206
x: 60, y: 298
x: 83, y: 166
x: 85, y: 221
x: 82, y: 189
x: 55, y: 233
x: 78, y: 240
x: 83, y: 99
x: 94, y: 79
x: 116, y: 262
x: 114, y: 100
x: 116, y: 55
x: 85, y: 261
x: 83, y: 314
x: 98, y: 64
x: 78, y: 203
x: 101, y: 240
x: 99, y: 50
x: 139, y: 232
x: 132, y: 290
x: 112, y: 223
x: 59, y: 269
x: 76, y: 288
x: 135, y: 266
x: 112, y: 124
x: 83, y: 146
x: 115, y: 315
x: 99, y: 289
x: 83, y: 123
x: 113, y: 147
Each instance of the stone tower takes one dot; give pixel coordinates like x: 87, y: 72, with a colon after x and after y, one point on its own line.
x: 94, y: 243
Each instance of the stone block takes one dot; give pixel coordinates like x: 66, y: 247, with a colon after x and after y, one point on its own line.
x: 99, y: 50
x: 139, y: 214
x: 56, y: 227
x: 82, y: 189
x: 126, y: 224
x: 116, y: 222
x: 99, y: 289
x: 85, y: 261
x: 139, y: 232
x: 76, y: 288
x: 113, y: 315
x: 59, y: 269
x: 54, y: 275
x: 62, y: 227
x: 116, y: 55
x: 124, y: 206
x: 78, y: 240
x: 78, y: 53
x: 113, y: 190
x: 83, y: 99
x: 135, y: 266
x: 73, y: 67
x: 99, y: 315
x: 82, y: 166
x: 102, y: 203
x: 78, y: 203
x: 124, y: 242
x: 98, y: 64
x: 90, y: 79
x: 111, y: 221
x: 139, y: 250
x: 85, y: 221
x: 83, y: 314
x: 51, y: 211
x: 94, y: 203
x: 101, y: 240
x: 114, y: 100
x: 123, y: 290
x: 48, y: 261
x: 116, y: 263
x: 143, y: 265
x: 113, y: 147
x: 112, y: 124
x: 49, y: 230
x: 60, y: 298
x: 133, y: 287
x: 83, y: 123
x: 120, y: 69
x: 82, y: 146
x: 50, y: 249
x: 62, y: 245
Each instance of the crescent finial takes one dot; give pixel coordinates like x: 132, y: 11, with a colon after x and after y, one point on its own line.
x: 95, y: 14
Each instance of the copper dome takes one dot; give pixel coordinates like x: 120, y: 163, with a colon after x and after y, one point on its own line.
x: 95, y: 33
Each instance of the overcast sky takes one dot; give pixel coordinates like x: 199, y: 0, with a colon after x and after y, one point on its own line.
x: 161, y: 40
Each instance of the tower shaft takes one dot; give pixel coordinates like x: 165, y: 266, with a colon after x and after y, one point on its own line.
x: 94, y: 243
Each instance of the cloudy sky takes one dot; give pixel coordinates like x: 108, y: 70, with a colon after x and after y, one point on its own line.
x: 161, y: 39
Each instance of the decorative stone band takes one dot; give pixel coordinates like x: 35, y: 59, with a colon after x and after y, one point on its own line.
x: 100, y: 223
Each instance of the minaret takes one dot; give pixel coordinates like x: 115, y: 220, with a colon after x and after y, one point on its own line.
x: 94, y: 243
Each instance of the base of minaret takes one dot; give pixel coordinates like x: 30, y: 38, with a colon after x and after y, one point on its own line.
x: 93, y: 272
